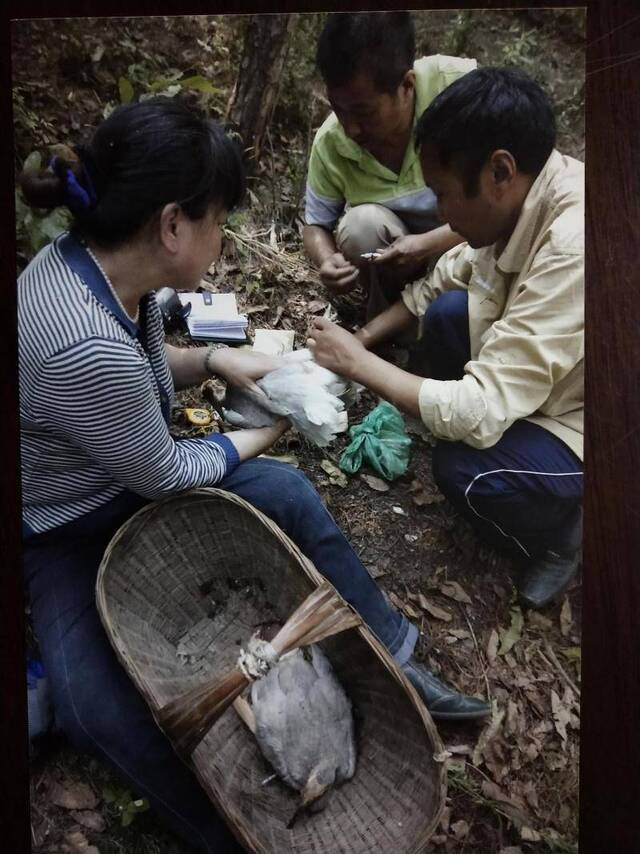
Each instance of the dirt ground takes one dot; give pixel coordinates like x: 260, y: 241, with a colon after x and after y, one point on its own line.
x: 513, y: 782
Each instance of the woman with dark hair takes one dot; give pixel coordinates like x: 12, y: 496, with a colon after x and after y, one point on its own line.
x: 149, y: 195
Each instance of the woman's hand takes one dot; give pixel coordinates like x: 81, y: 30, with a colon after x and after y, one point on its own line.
x: 337, y: 274
x: 241, y: 367
x: 335, y: 348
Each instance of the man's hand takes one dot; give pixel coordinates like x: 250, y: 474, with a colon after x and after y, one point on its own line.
x: 241, y: 367
x: 335, y: 348
x: 411, y: 252
x: 405, y: 253
x: 337, y: 274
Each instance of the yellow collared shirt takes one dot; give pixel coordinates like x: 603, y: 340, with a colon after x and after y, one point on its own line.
x: 526, y: 321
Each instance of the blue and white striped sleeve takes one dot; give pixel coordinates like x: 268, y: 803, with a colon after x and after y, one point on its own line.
x: 99, y: 393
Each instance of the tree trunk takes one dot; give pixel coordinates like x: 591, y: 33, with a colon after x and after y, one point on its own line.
x: 256, y: 90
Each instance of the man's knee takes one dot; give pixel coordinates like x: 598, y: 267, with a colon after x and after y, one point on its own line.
x: 366, y: 228
x: 446, y: 313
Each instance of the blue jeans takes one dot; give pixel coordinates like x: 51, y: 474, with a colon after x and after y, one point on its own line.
x: 524, y: 494
x: 95, y: 702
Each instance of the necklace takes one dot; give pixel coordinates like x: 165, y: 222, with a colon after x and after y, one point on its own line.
x: 136, y: 317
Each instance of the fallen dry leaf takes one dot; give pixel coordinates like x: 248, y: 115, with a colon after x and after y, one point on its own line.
x: 514, y: 807
x: 454, y: 591
x: 77, y: 843
x: 566, y: 618
x: 256, y: 309
x: 460, y: 634
x: 375, y: 482
x: 411, y: 612
x: 445, y: 818
x: 492, y: 646
x: 531, y: 794
x: 561, y: 716
x: 396, y: 601
x: 488, y: 733
x: 422, y: 496
x: 436, y: 612
x: 90, y: 819
x: 528, y: 834
x: 512, y: 724
x: 336, y: 476
x: 316, y: 305
x: 539, y: 621
x: 460, y: 829
x: 510, y: 637
x: 290, y: 459
x: 72, y: 796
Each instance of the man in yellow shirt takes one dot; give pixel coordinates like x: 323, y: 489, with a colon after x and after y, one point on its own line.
x: 502, y: 325
x: 365, y: 190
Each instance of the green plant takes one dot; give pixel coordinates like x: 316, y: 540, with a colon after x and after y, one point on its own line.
x: 124, y: 804
x: 458, y: 37
x: 35, y: 228
x: 522, y: 50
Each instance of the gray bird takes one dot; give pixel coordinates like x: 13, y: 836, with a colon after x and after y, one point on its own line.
x: 302, y: 720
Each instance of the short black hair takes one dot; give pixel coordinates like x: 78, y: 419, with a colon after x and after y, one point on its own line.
x: 488, y: 109
x: 143, y: 156
x: 381, y: 45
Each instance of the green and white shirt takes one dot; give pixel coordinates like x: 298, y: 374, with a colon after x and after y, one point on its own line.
x: 341, y: 173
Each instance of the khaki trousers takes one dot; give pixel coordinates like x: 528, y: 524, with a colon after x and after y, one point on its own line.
x: 368, y: 228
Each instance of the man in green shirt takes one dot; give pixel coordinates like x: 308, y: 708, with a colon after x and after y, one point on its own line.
x: 363, y: 158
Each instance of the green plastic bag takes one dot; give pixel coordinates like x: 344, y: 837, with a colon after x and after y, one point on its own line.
x: 381, y: 440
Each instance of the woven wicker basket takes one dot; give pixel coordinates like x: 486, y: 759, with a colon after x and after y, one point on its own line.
x: 181, y: 585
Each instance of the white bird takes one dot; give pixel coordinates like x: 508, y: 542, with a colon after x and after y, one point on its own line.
x: 302, y: 720
x: 310, y: 396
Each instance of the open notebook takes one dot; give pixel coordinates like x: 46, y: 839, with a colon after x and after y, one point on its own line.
x: 214, y: 317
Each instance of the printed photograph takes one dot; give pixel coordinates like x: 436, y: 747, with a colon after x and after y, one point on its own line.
x: 301, y: 341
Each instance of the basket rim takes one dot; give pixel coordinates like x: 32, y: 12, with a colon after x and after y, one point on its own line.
x: 136, y: 521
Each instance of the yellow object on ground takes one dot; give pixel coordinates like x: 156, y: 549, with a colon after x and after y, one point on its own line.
x: 199, y: 417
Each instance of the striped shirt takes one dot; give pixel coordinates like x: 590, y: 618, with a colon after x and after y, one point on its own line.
x: 95, y: 396
x: 342, y: 173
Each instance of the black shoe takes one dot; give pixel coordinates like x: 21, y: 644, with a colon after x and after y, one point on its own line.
x: 545, y: 578
x: 443, y: 703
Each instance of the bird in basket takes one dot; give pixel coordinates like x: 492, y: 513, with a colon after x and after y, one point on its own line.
x: 310, y: 396
x: 303, y: 723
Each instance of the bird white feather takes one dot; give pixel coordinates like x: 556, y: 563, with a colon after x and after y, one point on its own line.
x: 301, y: 390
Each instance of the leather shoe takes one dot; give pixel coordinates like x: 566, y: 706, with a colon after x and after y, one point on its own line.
x: 547, y: 577
x: 443, y: 702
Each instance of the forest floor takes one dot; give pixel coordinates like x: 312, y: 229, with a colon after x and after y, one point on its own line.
x: 513, y: 781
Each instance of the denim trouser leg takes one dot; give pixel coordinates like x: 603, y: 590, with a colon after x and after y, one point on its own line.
x: 444, y: 348
x: 521, y: 495
x: 95, y: 703
x: 286, y: 496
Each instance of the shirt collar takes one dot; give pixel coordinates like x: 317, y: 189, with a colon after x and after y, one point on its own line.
x: 514, y: 255
x: 83, y: 265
